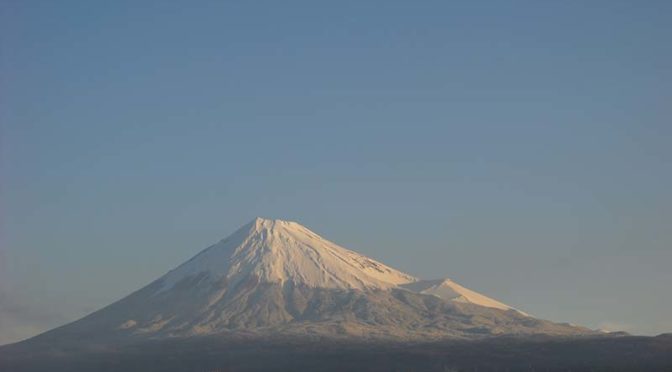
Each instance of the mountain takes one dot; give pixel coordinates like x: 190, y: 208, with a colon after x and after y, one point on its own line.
x: 274, y: 277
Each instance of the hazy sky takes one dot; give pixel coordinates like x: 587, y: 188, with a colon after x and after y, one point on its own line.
x: 522, y: 148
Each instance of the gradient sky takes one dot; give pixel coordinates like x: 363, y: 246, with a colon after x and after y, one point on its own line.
x: 522, y: 148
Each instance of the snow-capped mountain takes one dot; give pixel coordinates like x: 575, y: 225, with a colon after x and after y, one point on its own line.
x: 276, y: 251
x: 275, y: 277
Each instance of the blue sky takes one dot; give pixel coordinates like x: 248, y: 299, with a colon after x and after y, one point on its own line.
x: 521, y: 148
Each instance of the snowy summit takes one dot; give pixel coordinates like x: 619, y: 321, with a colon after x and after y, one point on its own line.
x: 277, y: 251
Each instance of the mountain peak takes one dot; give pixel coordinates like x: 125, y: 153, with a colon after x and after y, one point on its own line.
x: 260, y: 224
x: 270, y: 222
x: 278, y: 251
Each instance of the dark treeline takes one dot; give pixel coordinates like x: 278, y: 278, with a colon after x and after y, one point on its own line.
x: 498, y: 354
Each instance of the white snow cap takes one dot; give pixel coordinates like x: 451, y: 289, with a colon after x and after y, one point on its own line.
x: 276, y: 251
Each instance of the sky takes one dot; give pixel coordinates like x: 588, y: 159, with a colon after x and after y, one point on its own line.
x: 521, y: 148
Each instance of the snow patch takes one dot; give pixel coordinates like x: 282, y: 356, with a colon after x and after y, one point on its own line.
x: 128, y: 324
